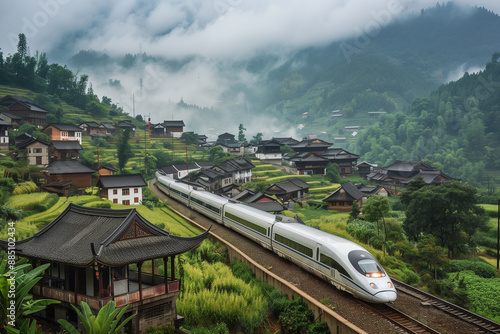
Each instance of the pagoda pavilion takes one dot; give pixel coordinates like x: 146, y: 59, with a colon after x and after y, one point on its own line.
x: 98, y: 255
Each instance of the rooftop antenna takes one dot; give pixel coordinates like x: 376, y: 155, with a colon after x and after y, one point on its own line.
x: 133, y: 105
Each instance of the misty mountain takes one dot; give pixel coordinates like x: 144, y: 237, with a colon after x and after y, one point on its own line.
x: 380, y: 69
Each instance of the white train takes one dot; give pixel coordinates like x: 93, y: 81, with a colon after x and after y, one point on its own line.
x: 343, y: 263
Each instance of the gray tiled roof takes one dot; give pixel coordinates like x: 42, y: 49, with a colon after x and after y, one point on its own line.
x: 65, y: 127
x: 173, y: 123
x: 69, y: 238
x: 346, y: 192
x: 68, y: 167
x: 122, y: 181
x: 66, y: 145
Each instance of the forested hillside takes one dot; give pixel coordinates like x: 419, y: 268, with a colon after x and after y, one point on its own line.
x: 455, y: 128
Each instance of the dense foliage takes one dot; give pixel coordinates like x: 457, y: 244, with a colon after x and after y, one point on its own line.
x: 448, y: 211
x: 456, y: 128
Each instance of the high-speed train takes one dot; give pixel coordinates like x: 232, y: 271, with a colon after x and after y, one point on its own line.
x: 343, y: 263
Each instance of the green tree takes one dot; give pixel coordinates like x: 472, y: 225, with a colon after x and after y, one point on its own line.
x: 162, y: 158
x: 257, y: 138
x: 124, y: 149
x: 108, y: 320
x: 241, y: 135
x: 376, y: 209
x: 190, y: 138
x: 332, y: 173
x: 354, y: 210
x: 448, y: 211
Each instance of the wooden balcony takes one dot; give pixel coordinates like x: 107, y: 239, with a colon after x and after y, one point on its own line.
x: 134, y: 295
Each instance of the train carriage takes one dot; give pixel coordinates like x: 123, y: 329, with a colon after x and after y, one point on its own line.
x: 253, y: 223
x: 208, y: 204
x: 339, y: 261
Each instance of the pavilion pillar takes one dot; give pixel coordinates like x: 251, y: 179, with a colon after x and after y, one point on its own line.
x: 128, y: 280
x: 139, y: 266
x: 100, y: 282
x: 76, y: 285
x: 112, y: 282
x: 153, y: 271
x: 165, y: 272
x: 172, y: 267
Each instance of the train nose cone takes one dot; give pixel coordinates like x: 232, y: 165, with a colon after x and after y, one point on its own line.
x: 385, y: 296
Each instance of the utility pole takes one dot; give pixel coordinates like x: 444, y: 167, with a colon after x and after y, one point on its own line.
x: 498, y: 236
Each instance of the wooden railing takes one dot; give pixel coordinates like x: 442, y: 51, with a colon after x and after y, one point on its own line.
x: 97, y: 303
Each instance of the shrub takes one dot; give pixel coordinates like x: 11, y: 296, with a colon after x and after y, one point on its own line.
x: 296, y: 317
x: 25, y: 188
x: 160, y: 330
x: 480, y: 268
x: 99, y: 204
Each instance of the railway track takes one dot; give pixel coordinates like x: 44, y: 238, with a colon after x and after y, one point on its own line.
x: 400, y: 319
x: 484, y: 325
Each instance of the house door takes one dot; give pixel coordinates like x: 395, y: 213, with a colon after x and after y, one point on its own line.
x: 38, y: 160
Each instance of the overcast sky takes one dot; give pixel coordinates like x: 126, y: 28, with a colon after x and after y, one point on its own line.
x: 215, y: 28
x: 214, y: 31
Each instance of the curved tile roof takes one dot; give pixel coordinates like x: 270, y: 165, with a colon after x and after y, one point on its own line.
x: 79, y: 236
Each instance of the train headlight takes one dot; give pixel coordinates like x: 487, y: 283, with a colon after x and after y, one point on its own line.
x: 375, y: 275
x: 373, y: 285
x: 389, y: 284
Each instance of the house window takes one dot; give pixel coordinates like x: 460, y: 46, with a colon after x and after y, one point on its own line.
x: 136, y: 190
x: 115, y: 191
x: 136, y: 199
x: 29, y: 150
x: 38, y: 150
x: 126, y: 202
x: 115, y: 200
x: 126, y: 191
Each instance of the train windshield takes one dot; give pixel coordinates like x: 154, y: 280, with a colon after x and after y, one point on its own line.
x: 366, y: 264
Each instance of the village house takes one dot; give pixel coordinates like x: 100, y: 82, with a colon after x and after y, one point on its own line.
x: 107, y: 170
x: 225, y: 138
x: 35, y: 150
x: 364, y: 168
x: 308, y: 163
x: 123, y: 189
x: 123, y: 125
x: 10, y: 118
x: 343, y: 198
x: 315, y: 145
x: 24, y: 110
x: 58, y: 131
x: 344, y: 159
x: 62, y: 176
x: 398, y: 174
x: 174, y: 128
x: 269, y: 150
x: 211, y: 180
x: 93, y: 129
x: 291, y: 189
x: 64, y: 150
x: 258, y: 200
x: 157, y: 130
x: 237, y: 148
x: 180, y: 171
x: 98, y: 255
x: 4, y: 134
x: 240, y: 169
x: 372, y: 190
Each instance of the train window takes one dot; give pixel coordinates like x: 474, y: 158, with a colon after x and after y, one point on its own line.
x: 295, y: 245
x: 208, y: 206
x: 245, y: 222
x: 365, y: 264
x: 326, y: 260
